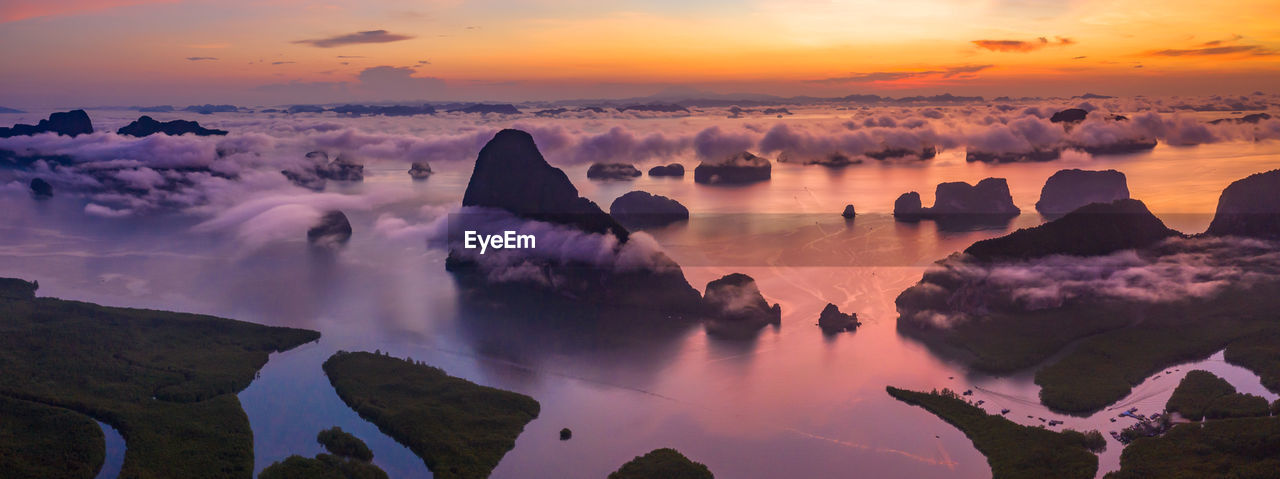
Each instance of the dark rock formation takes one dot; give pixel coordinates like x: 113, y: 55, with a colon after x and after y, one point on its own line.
x: 4, y: 109
x: 145, y: 125
x: 420, y: 170
x: 1120, y: 147
x: 656, y: 107
x: 207, y: 109
x: 924, y: 153
x: 961, y: 206
x: 1095, y: 229
x: 908, y: 207
x: 566, y: 434
x: 1070, y: 115
x: 155, y: 109
x: 480, y: 108
x: 735, y: 306
x: 41, y: 188
x: 832, y: 160
x: 989, y: 197
x: 510, y: 174
x: 739, y: 168
x: 1068, y: 190
x: 612, y: 171
x: 70, y: 123
x: 14, y: 288
x: 674, y: 169
x: 1036, y: 155
x: 1249, y: 207
x: 639, y: 209
x: 849, y: 212
x: 391, y: 110
x: 316, y: 174
x: 332, y: 231
x: 294, y: 109
x: 344, y: 168
x: 833, y: 321
x: 1252, y: 118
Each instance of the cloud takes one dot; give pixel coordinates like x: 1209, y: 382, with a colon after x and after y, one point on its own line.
x: 197, y: 59
x: 370, y: 36
x: 1249, y: 50
x: 1020, y: 45
x: 890, y: 76
x: 715, y: 144
x: 1214, y: 43
x: 282, y: 62
x: 15, y: 10
x: 399, y: 81
x: 956, y: 290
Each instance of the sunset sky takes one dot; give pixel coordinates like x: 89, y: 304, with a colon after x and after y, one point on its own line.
x: 83, y: 52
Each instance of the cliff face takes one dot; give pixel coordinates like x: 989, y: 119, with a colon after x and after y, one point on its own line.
x: 1249, y: 207
x: 512, y: 175
x: 1068, y: 190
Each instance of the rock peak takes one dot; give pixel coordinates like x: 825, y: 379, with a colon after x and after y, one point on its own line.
x: 512, y: 175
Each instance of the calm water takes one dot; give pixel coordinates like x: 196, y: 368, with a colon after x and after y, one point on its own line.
x: 791, y: 403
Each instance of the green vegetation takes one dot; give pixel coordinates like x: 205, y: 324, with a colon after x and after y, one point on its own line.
x: 1259, y: 353
x: 48, y: 442
x: 342, y: 443
x: 1103, y: 369
x: 324, y: 466
x: 1247, y: 445
x: 166, y: 381
x: 665, y: 463
x: 349, y: 459
x: 1116, y: 345
x: 1201, y: 395
x: 1223, y: 448
x: 1012, y: 450
x: 459, y: 428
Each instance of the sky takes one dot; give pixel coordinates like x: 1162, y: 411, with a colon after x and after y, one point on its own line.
x: 273, y: 52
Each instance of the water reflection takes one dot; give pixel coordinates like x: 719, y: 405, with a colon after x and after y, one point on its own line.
x: 788, y: 403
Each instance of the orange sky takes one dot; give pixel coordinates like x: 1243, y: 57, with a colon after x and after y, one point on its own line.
x: 281, y: 51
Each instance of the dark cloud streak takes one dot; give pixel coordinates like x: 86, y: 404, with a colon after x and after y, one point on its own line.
x: 1021, y: 46
x: 370, y: 36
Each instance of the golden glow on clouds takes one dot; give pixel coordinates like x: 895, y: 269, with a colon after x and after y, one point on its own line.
x: 787, y: 47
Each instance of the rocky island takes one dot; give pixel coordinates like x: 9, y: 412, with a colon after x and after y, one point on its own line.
x: 1112, y: 278
x: 740, y: 168
x: 736, y: 308
x: 612, y: 171
x: 69, y: 123
x: 145, y: 126
x: 639, y: 209
x: 1067, y: 190
x: 512, y: 185
x: 960, y: 205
